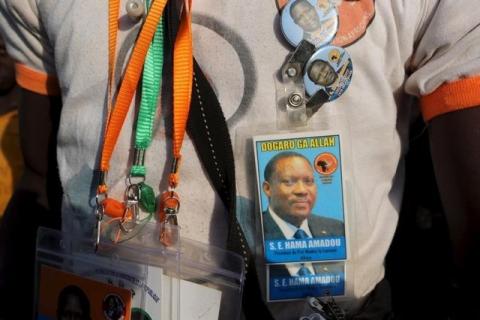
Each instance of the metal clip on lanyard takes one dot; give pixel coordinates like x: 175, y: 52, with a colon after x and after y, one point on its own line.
x: 131, y: 212
x: 116, y: 118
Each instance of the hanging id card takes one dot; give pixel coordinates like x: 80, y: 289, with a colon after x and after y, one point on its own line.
x: 64, y: 295
x: 138, y: 279
x: 301, y: 197
x: 130, y: 280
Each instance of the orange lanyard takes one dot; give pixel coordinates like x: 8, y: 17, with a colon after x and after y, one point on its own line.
x: 182, y: 83
x: 182, y: 80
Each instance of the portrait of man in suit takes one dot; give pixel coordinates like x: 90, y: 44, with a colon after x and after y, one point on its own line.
x: 316, y: 30
x: 289, y: 184
x: 322, y: 73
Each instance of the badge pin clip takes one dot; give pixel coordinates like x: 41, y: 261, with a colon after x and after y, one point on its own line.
x: 101, y: 196
x: 131, y: 213
x: 99, y: 213
x: 291, y: 105
x: 293, y: 67
x: 168, y: 211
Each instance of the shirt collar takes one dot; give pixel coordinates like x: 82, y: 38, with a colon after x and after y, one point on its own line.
x: 287, y: 228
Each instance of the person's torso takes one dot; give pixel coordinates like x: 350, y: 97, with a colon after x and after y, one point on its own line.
x: 239, y: 46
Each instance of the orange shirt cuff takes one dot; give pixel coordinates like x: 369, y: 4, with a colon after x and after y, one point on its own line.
x: 457, y: 95
x: 36, y: 81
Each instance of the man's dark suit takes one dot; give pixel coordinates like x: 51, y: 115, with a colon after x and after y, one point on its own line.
x: 319, y: 227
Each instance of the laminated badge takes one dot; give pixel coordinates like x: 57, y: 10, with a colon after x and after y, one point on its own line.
x: 301, y: 205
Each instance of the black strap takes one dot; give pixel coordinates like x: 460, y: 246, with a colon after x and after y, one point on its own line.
x: 208, y: 130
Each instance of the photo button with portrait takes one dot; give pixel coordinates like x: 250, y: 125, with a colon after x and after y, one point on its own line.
x: 329, y: 71
x: 315, y: 21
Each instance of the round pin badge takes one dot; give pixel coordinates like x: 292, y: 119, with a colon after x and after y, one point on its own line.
x: 315, y: 21
x: 354, y: 19
x: 113, y: 307
x: 329, y: 69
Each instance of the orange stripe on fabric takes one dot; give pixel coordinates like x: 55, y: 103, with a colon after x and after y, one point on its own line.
x: 458, y: 95
x: 130, y: 82
x: 36, y: 81
x: 182, y: 79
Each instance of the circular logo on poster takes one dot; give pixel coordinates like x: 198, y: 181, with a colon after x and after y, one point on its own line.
x: 326, y: 163
x: 113, y: 307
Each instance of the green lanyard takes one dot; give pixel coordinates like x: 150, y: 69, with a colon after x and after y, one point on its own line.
x: 151, y: 84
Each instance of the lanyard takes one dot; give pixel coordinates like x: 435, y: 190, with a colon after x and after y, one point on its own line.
x: 151, y: 87
x: 151, y: 84
x: 182, y: 83
x: 130, y: 81
x: 183, y: 74
x: 209, y: 133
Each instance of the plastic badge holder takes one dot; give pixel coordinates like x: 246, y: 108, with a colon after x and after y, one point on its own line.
x: 214, y: 278
x: 328, y: 120
x: 210, y: 281
x: 131, y: 280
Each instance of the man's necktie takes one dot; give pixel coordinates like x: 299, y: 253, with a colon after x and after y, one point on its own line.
x: 300, y: 234
x: 304, y: 271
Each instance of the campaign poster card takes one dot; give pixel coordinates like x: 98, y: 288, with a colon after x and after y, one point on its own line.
x: 145, y: 284
x: 300, y: 280
x: 301, y: 199
x: 64, y: 295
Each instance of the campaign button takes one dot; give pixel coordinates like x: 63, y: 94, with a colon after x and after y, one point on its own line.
x: 315, y: 21
x: 329, y: 70
x: 354, y: 19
